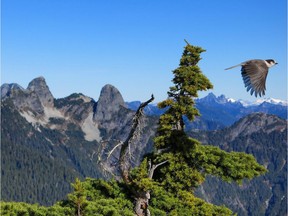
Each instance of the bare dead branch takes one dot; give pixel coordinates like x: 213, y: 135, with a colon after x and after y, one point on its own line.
x: 154, y: 167
x: 186, y: 42
x: 124, y: 159
x: 115, y: 147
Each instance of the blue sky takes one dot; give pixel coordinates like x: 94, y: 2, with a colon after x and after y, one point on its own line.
x: 81, y: 45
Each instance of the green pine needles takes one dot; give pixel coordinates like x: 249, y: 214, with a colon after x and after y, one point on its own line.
x: 189, y: 162
x: 188, y: 80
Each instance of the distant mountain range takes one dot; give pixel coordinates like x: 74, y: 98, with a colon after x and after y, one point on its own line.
x: 220, y: 112
x: 46, y: 143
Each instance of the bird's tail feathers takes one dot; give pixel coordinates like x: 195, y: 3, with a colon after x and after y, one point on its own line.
x: 233, y: 66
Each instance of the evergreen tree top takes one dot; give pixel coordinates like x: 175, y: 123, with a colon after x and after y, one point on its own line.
x: 188, y: 160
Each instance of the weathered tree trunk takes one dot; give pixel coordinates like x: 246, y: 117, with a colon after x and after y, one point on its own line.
x: 142, y: 198
x: 124, y: 160
x: 141, y: 204
x: 78, y: 209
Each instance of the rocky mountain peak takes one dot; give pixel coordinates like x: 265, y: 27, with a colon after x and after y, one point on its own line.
x: 257, y: 122
x: 39, y: 86
x: 109, y: 103
x: 222, y: 99
x: 31, y: 102
x: 211, y: 98
x: 7, y: 89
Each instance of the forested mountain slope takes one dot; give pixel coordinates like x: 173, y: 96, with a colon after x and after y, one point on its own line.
x: 46, y: 143
x: 265, y: 137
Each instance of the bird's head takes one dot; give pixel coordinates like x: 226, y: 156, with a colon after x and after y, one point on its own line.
x: 270, y: 62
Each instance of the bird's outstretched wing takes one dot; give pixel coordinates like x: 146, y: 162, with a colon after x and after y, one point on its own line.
x: 254, y: 73
x: 234, y: 66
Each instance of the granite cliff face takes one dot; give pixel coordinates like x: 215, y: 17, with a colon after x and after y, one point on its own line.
x: 7, y: 89
x: 38, y: 106
x: 114, y: 121
x: 41, y: 89
x: 74, y: 132
x: 109, y: 103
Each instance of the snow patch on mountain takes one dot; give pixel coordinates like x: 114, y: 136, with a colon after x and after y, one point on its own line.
x: 272, y: 101
x: 222, y: 100
x: 231, y: 100
x: 264, y: 100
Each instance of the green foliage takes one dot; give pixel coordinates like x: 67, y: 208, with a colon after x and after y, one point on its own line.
x: 140, y: 179
x: 189, y: 162
x: 104, y: 198
x: 188, y: 80
x: 99, y: 198
x: 185, y: 203
x: 25, y: 209
x: 230, y: 166
x: 78, y: 197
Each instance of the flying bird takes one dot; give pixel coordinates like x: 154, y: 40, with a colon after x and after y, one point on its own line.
x: 254, y: 73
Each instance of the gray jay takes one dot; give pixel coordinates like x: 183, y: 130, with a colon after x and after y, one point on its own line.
x: 254, y: 73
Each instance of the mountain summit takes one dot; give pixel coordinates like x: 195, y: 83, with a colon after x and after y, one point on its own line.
x: 31, y: 100
x: 109, y: 102
x: 211, y: 98
x: 39, y: 86
x: 7, y: 89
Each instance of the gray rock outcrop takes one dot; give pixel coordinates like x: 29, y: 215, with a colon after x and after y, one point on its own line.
x: 109, y: 103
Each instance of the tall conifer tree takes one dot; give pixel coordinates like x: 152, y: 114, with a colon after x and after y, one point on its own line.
x: 180, y: 163
x: 188, y: 161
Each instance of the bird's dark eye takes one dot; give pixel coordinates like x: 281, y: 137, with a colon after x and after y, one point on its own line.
x: 270, y: 61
